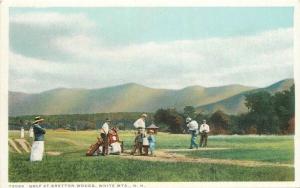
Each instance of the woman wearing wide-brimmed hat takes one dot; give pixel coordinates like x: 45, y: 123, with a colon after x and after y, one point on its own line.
x: 37, y: 149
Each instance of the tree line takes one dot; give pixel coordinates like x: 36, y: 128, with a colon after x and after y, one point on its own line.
x: 121, y: 120
x: 267, y: 114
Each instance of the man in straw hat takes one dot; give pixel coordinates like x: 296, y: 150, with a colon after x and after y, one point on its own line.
x: 138, y: 141
x: 37, y: 149
x: 103, y: 133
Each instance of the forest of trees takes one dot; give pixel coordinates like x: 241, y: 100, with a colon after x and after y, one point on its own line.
x: 122, y: 120
x: 267, y: 114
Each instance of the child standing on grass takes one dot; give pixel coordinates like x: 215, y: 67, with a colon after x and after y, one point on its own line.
x: 151, y: 140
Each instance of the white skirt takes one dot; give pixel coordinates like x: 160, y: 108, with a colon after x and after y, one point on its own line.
x: 115, y: 148
x: 37, y: 151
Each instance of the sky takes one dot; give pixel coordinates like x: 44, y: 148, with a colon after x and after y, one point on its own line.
x: 157, y: 47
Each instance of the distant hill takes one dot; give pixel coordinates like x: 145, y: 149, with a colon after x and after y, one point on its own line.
x: 123, y: 98
x: 235, y: 104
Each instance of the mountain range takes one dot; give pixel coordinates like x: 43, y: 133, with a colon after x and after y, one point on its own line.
x: 235, y: 104
x: 133, y: 97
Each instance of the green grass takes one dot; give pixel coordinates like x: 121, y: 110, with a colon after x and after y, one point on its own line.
x: 270, y: 155
x: 276, y: 149
x: 113, y: 168
x: 72, y: 165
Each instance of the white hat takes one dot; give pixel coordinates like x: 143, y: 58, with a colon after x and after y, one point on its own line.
x: 144, y: 115
x: 188, y: 119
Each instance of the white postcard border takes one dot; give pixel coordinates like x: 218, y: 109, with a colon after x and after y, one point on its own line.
x: 4, y: 54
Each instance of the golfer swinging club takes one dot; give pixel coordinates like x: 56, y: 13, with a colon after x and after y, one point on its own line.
x: 193, y: 129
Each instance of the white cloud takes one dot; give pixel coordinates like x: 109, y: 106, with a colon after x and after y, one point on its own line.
x: 79, y: 59
x: 207, y: 59
x: 31, y: 33
x: 52, y: 19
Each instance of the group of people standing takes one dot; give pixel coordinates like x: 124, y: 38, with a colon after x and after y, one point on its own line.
x: 30, y: 131
x: 142, y: 142
x: 194, y: 130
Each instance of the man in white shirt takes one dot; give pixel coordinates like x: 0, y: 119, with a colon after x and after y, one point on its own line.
x: 138, y: 141
x: 140, y: 123
x: 193, y: 129
x: 103, y: 134
x: 204, y: 130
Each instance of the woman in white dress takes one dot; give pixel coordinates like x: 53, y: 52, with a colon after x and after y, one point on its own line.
x: 37, y: 149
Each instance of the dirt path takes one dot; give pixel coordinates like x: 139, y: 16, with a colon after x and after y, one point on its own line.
x: 168, y: 156
x: 200, y: 149
x: 53, y: 153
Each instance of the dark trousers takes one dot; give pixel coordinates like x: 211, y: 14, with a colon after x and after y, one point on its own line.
x: 104, y: 144
x: 203, y: 139
x: 139, y: 146
x: 145, y: 148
